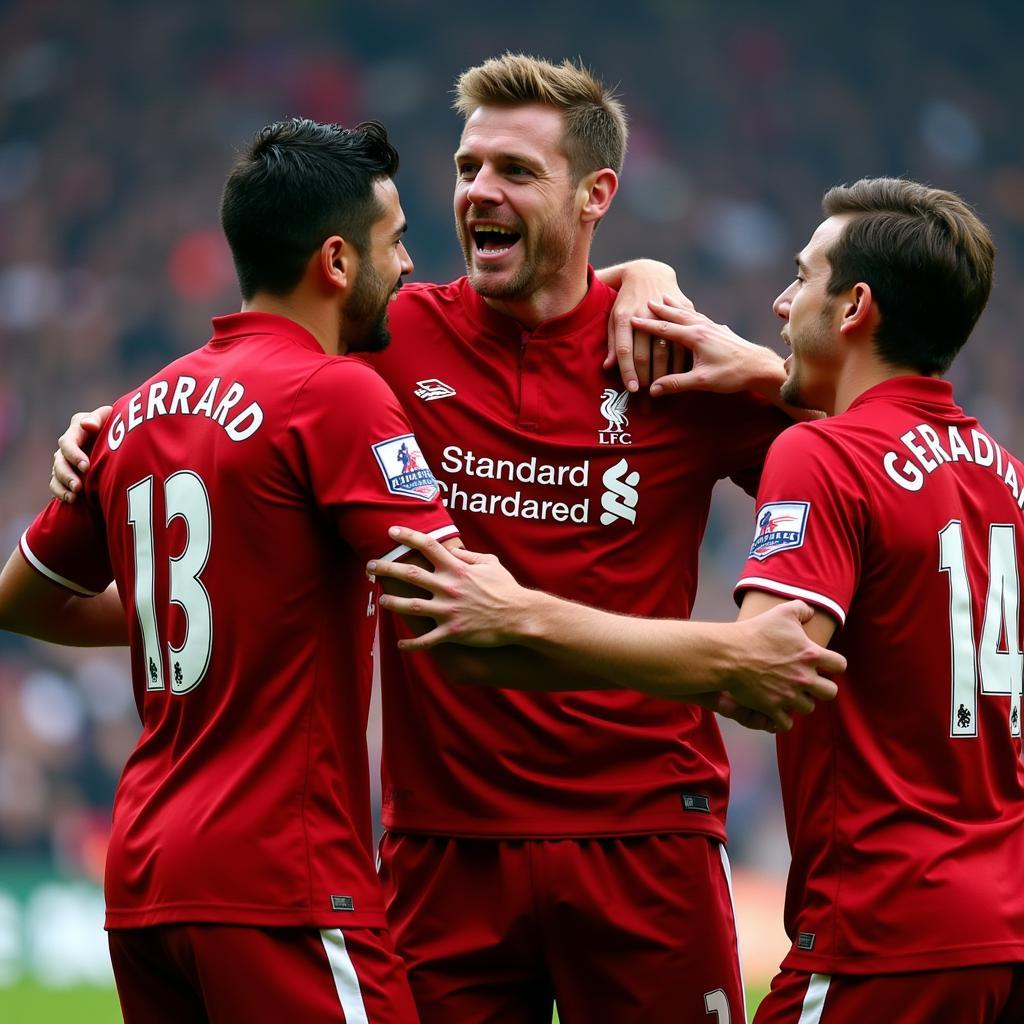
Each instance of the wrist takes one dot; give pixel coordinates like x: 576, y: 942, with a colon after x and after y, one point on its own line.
x: 769, y: 373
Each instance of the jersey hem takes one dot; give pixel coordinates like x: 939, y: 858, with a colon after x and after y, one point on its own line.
x: 534, y: 830
x: 257, y: 917
x: 931, y: 960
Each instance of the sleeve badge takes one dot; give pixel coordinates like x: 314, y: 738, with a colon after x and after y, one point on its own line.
x: 781, y: 525
x: 404, y: 468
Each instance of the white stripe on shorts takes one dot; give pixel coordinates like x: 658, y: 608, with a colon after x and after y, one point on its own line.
x: 732, y: 903
x: 346, y: 983
x: 814, y: 1001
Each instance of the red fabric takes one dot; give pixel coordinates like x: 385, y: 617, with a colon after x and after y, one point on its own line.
x: 223, y: 974
x: 635, y: 930
x: 907, y: 837
x: 966, y: 995
x: 246, y: 799
x: 527, y: 406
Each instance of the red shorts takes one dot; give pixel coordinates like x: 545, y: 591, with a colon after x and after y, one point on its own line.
x: 992, y: 994
x: 226, y: 973
x: 636, y: 930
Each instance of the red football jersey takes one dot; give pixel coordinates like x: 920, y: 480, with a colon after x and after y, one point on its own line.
x: 905, y: 796
x: 236, y: 497
x: 584, y: 491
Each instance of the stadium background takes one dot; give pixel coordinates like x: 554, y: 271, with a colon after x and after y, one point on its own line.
x: 118, y: 122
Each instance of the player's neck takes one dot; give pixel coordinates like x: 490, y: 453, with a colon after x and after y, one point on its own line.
x: 861, y: 375
x: 322, y: 323
x: 552, y: 299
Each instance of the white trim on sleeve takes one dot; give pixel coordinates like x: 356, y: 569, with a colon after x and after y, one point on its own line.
x: 346, y: 981
x: 787, y: 590
x: 49, y: 573
x: 439, y: 534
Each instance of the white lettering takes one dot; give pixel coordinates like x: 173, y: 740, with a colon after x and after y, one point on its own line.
x: 932, y: 440
x: 182, y: 390
x: 1011, y: 479
x: 115, y: 435
x: 135, y: 410
x: 908, y: 476
x: 231, y: 398
x: 205, y: 404
x: 918, y: 452
x: 957, y: 446
x: 983, y: 440
x: 157, y: 394
x: 238, y: 429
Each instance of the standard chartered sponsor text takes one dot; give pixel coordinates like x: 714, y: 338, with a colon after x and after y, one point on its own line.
x: 525, y: 471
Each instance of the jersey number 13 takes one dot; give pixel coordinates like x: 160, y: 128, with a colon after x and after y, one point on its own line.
x: 185, y: 496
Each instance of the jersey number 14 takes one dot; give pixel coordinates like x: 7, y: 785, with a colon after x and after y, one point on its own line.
x: 185, y: 497
x: 997, y: 660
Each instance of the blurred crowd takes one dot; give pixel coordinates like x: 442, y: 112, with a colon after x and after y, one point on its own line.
x: 118, y: 122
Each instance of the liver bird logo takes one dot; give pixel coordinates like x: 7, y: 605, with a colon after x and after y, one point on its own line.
x: 613, y: 409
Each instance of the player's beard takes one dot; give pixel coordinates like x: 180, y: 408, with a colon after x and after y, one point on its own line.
x: 811, y: 344
x: 546, y: 251
x: 364, y: 320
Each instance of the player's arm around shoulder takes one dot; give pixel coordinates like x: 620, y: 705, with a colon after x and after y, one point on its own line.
x: 483, y: 648
x: 472, y: 599
x: 33, y: 605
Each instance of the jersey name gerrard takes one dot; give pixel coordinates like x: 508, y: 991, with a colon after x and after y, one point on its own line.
x: 236, y: 498
x: 582, y: 490
x: 904, y: 797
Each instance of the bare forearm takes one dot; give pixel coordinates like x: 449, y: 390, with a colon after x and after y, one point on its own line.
x: 662, y: 657
x: 38, y: 608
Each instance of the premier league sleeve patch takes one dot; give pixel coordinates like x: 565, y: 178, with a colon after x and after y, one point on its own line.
x: 780, y: 526
x: 405, y: 470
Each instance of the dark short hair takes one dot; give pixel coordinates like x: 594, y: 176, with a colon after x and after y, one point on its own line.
x: 927, y: 258
x: 298, y: 183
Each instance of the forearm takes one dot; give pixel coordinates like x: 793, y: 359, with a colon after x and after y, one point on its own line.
x: 613, y: 275
x: 35, y: 607
x: 662, y: 657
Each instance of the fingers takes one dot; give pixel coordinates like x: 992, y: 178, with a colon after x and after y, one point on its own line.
x: 620, y: 350
x: 404, y: 572
x: 675, y: 383
x: 436, y: 552
x: 678, y: 301
x: 661, y: 355
x: 419, y: 607
x: 822, y: 689
x: 64, y: 482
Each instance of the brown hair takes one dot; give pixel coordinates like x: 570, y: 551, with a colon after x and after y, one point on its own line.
x: 595, y: 121
x: 927, y: 258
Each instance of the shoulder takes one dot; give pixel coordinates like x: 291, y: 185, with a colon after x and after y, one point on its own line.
x: 340, y: 380
x: 418, y: 295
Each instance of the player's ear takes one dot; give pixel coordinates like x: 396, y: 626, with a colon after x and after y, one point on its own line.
x: 336, y: 262
x: 597, y: 190
x: 859, y: 310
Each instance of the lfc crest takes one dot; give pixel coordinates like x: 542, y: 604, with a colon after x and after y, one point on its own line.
x: 613, y: 409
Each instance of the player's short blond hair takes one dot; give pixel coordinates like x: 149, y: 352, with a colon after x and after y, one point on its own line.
x: 595, y: 121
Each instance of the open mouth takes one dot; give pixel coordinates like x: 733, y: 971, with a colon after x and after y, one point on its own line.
x: 494, y: 240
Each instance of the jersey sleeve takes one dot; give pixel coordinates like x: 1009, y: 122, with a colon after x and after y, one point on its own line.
x: 745, y: 428
x: 351, y: 444
x: 68, y: 545
x: 810, y: 525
